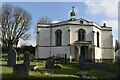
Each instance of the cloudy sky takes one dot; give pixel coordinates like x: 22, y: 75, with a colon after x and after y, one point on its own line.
x: 100, y: 11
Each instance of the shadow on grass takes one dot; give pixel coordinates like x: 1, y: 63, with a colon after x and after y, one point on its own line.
x: 57, y: 78
x: 6, y: 75
x: 71, y: 65
x: 67, y: 69
x: 10, y: 77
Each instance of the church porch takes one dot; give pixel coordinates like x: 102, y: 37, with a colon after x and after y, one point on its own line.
x: 84, y: 51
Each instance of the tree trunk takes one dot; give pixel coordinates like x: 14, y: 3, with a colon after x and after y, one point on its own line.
x: 9, y: 47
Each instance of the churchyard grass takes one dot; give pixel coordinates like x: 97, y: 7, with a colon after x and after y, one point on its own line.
x: 110, y: 64
x: 66, y: 72
x: 101, y: 73
x: 61, y: 73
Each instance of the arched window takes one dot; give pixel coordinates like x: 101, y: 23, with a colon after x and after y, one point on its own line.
x: 81, y: 35
x: 97, y: 39
x: 58, y: 37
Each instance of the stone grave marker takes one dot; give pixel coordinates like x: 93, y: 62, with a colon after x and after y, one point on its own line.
x: 50, y: 63
x: 61, y: 58
x: 33, y: 67
x: 31, y: 57
x: 86, y: 75
x: 21, y: 70
x: 57, y: 66
x: 12, y: 57
x: 27, y: 58
x: 18, y: 57
x: 82, y: 58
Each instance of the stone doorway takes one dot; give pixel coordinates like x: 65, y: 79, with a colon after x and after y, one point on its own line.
x: 83, y: 54
x: 83, y: 51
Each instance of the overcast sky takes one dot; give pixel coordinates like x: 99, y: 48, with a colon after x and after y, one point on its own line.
x: 99, y: 12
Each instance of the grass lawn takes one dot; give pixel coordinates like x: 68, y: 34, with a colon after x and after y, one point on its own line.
x: 66, y: 72
x: 110, y: 64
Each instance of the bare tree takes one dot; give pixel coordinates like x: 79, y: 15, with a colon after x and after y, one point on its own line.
x: 15, y: 24
x: 44, y: 20
x: 117, y: 45
x: 0, y: 15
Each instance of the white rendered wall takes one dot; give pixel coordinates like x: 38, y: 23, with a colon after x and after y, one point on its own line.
x: 61, y: 50
x: 107, y: 39
x: 44, y: 52
x: 65, y: 34
x: 64, y: 48
x: 74, y: 33
x: 107, y: 53
x: 72, y: 52
x: 98, y: 54
x: 44, y: 40
x: 44, y: 37
x: 74, y: 36
x: 95, y: 36
x: 69, y: 37
x: 36, y: 52
x: 107, y: 45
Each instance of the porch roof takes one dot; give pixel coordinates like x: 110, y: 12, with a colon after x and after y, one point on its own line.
x: 82, y: 43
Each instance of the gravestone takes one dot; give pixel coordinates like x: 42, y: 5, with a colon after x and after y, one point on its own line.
x: 33, y: 67
x: 61, y: 58
x: 46, y: 72
x: 57, y: 66
x: 86, y: 75
x: 27, y: 58
x: 50, y: 63
x: 12, y: 57
x: 21, y: 70
x: 31, y: 57
x: 82, y: 58
x: 18, y: 57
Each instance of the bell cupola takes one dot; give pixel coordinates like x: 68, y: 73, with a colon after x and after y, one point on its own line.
x: 72, y: 13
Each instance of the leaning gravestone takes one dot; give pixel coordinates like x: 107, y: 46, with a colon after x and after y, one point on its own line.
x: 21, y: 70
x: 12, y: 57
x: 50, y: 63
x: 27, y: 57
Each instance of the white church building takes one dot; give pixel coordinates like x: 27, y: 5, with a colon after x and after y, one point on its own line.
x: 80, y: 39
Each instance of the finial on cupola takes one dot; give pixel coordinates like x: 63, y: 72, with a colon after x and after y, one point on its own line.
x: 104, y: 24
x: 72, y: 14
